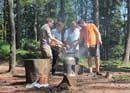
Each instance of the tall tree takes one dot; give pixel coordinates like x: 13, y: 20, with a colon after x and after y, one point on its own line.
x: 18, y: 27
x: 62, y: 11
x: 96, y: 11
x: 12, y: 62
x: 127, y: 53
x: 62, y: 17
x: 6, y: 21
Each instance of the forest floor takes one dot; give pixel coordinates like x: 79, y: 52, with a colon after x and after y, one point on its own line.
x: 119, y: 82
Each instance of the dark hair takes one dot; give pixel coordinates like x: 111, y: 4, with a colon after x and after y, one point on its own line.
x: 81, y: 21
x: 49, y: 20
x: 60, y: 24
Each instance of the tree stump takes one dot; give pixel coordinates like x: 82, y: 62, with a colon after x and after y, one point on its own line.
x: 68, y: 82
x: 37, y: 68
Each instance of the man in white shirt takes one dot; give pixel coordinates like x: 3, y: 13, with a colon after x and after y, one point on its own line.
x: 71, y: 38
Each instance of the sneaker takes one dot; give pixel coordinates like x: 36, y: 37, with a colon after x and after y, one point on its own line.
x: 72, y: 74
x: 31, y: 85
x: 91, y: 74
x: 41, y: 85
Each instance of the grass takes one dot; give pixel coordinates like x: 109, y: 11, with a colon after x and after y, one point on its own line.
x: 125, y: 65
x: 83, y: 61
x: 121, y: 78
x: 104, y: 63
x: 111, y: 64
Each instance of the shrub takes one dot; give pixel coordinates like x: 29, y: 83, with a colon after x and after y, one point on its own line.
x: 116, y: 52
x: 111, y: 64
x: 30, y: 44
x: 4, y: 50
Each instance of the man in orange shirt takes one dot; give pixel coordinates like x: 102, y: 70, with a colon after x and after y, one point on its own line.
x: 92, y: 39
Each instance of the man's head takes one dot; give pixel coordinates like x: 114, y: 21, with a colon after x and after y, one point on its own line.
x: 73, y: 25
x: 50, y: 22
x: 82, y: 23
x: 60, y: 26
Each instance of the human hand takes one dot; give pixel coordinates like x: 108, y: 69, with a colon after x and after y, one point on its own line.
x: 75, y: 43
x: 67, y: 46
x: 99, y: 42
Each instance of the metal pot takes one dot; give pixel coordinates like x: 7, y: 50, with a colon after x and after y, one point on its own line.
x: 70, y: 62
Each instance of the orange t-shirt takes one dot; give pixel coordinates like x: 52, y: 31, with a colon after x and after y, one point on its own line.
x: 88, y: 34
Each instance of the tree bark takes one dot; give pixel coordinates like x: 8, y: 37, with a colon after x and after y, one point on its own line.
x: 127, y: 51
x: 6, y: 21
x: 96, y: 15
x: 107, y: 18
x: 81, y: 9
x: 18, y: 27
x: 62, y: 17
x: 12, y: 62
x: 36, y: 25
x: 62, y: 6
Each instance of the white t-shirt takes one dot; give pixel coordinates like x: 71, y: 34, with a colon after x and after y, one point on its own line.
x: 72, y: 37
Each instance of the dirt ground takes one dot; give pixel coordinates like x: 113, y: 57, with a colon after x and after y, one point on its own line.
x: 85, y: 84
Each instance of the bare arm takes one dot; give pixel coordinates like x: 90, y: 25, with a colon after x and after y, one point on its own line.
x: 98, y: 36
x: 51, y: 37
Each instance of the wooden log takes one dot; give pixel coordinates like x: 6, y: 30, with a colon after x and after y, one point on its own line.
x: 37, y: 68
x: 68, y: 82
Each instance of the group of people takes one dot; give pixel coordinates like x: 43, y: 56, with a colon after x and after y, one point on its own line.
x: 79, y: 33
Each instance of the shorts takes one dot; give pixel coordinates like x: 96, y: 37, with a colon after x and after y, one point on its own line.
x: 93, y: 51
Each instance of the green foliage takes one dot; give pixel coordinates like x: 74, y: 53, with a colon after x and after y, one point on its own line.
x: 83, y: 61
x: 4, y: 50
x: 111, y: 64
x: 111, y: 25
x: 28, y: 20
x: 32, y: 45
x: 24, y: 54
x: 30, y: 49
x: 121, y: 78
x: 24, y: 3
x: 116, y: 52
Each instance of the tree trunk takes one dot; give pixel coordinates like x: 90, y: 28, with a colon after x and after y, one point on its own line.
x: 85, y: 15
x: 36, y: 26
x: 96, y: 15
x: 6, y: 21
x: 36, y: 68
x: 13, y: 40
x: 62, y: 3
x: 81, y: 9
x: 107, y: 18
x: 18, y: 27
x: 62, y: 17
x: 127, y: 51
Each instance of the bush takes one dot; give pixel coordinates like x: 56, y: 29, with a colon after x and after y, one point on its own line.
x: 116, y: 52
x: 24, y: 54
x: 30, y: 44
x: 4, y: 50
x: 30, y: 49
x: 111, y: 64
